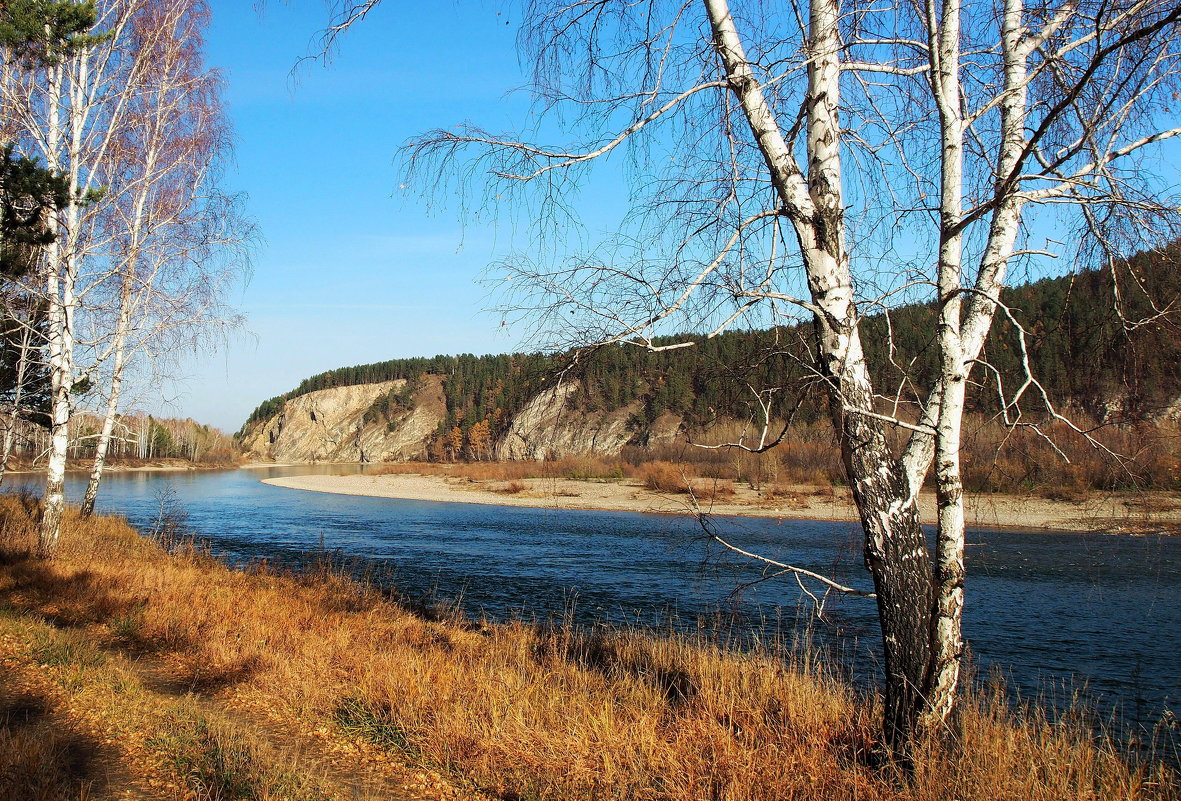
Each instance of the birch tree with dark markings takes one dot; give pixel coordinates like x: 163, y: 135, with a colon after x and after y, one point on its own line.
x: 178, y: 240
x: 822, y: 159
x: 51, y: 109
x: 119, y: 105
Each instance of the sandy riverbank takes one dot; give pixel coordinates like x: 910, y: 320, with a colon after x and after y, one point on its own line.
x: 174, y: 466
x: 1116, y: 513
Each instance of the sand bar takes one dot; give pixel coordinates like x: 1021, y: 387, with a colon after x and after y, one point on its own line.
x: 1126, y: 513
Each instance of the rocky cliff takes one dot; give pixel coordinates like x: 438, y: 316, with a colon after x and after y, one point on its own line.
x: 330, y: 425
x: 339, y: 425
x: 551, y: 426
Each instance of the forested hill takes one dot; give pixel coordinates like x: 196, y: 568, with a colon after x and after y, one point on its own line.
x: 1080, y: 341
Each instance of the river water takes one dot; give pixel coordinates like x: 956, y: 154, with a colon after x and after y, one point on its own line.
x: 1053, y: 612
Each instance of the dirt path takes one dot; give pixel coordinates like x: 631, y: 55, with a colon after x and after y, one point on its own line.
x: 52, y: 745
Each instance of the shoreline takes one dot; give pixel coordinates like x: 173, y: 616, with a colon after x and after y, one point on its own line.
x: 145, y: 468
x: 1130, y: 513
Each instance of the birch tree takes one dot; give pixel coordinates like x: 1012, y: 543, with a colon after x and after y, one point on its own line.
x: 820, y: 160
x: 67, y: 112
x: 129, y: 119
x: 179, y: 241
x: 33, y: 33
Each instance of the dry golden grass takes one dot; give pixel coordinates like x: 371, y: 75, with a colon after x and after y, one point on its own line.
x: 709, y: 490
x: 791, y: 496
x: 522, y: 711
x: 40, y: 755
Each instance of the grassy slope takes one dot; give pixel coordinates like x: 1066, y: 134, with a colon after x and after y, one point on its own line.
x: 131, y: 672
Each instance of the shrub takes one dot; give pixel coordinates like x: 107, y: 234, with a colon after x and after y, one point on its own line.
x: 662, y: 476
x: 714, y: 489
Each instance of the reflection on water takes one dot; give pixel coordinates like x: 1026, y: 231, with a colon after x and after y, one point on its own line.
x: 1048, y: 609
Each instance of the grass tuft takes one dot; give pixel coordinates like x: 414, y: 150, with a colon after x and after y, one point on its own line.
x: 57, y: 649
x: 357, y: 718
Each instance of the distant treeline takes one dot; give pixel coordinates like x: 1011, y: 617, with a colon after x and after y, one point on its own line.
x: 1082, y: 341
x: 144, y: 437
x: 1106, y: 340
x: 137, y: 438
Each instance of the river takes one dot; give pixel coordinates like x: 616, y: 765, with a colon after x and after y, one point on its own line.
x: 1052, y: 612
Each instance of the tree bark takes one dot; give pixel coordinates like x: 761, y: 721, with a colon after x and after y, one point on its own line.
x: 947, y: 611
x: 63, y: 265
x: 104, y: 437
x: 60, y: 374
x: 895, y: 548
x: 22, y: 365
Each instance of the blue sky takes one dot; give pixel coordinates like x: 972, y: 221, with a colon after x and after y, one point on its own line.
x: 350, y: 270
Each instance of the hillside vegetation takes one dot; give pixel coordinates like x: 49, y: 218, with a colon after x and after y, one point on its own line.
x: 1077, y: 335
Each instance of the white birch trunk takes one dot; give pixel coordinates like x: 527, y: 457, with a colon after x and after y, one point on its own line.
x: 947, y: 641
x: 960, y: 346
x: 122, y: 329
x: 895, y: 548
x: 60, y: 369
x: 104, y: 437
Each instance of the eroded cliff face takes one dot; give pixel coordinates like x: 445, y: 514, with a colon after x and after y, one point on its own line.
x: 551, y: 427
x: 328, y: 426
